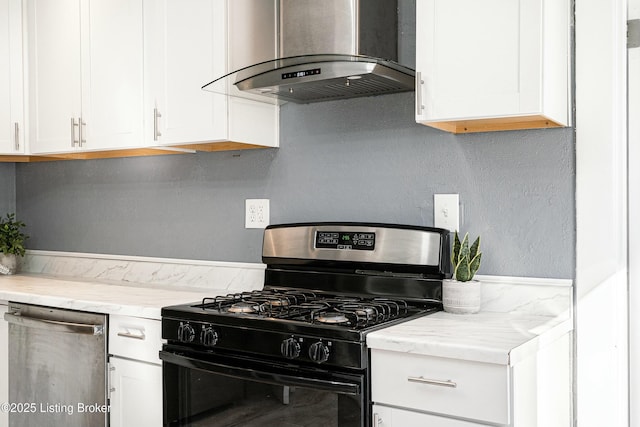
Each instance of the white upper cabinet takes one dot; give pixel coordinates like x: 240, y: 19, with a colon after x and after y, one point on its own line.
x: 85, y: 74
x: 492, y: 65
x: 188, y: 44
x: 12, y: 124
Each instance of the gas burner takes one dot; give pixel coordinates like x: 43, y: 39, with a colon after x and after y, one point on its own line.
x: 331, y: 317
x: 365, y: 313
x: 276, y: 302
x: 243, y: 307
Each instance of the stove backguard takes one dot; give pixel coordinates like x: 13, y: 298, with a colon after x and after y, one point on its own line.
x: 375, y: 249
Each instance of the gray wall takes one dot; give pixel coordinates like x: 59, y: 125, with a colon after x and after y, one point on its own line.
x: 7, y: 188
x: 356, y: 160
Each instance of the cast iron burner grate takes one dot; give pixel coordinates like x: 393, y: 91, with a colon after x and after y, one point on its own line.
x: 308, y: 307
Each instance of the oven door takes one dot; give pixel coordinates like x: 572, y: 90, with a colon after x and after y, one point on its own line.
x: 203, y: 389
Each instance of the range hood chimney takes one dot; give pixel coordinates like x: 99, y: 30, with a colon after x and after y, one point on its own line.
x: 328, y: 50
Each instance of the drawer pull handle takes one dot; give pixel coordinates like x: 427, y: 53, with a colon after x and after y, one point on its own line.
x: 139, y: 336
x: 441, y: 383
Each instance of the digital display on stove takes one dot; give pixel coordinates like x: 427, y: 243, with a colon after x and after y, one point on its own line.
x: 303, y: 73
x: 348, y: 240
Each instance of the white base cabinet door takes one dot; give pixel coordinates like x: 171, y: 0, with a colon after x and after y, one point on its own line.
x: 492, y: 65
x: 384, y: 416
x: 12, y: 124
x: 413, y: 390
x: 4, y: 364
x: 135, y: 372
x: 136, y: 393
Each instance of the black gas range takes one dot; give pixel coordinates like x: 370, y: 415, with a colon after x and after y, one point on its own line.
x: 326, y: 286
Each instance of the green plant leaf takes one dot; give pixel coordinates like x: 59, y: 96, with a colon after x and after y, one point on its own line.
x: 474, y: 248
x: 11, y: 237
x: 462, y: 270
x: 474, y: 265
x: 464, y: 248
x: 456, y: 249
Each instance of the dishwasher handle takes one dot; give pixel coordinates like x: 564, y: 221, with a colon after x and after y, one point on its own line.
x: 54, y: 325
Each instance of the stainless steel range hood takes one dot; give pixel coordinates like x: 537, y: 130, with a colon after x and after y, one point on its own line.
x: 329, y: 50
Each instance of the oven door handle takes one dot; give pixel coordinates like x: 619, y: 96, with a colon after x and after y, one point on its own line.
x: 261, y: 376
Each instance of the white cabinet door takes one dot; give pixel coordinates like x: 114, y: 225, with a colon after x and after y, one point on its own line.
x: 188, y: 44
x: 496, y: 63
x: 12, y: 123
x: 185, y: 47
x: 4, y: 365
x: 112, y: 73
x: 54, y: 74
x: 85, y: 74
x: 136, y: 393
x: 393, y: 417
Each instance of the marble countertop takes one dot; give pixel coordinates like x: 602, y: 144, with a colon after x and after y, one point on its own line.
x: 109, y: 298
x: 500, y: 338
x: 492, y: 337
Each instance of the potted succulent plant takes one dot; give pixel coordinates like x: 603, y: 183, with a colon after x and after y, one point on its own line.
x: 461, y: 294
x: 11, y: 243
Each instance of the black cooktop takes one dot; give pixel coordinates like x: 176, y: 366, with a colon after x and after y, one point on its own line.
x: 302, y: 311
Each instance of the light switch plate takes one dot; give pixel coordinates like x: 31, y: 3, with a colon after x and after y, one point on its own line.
x: 446, y: 211
x: 256, y: 213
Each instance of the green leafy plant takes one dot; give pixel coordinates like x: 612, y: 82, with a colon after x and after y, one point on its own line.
x: 11, y: 236
x: 465, y: 259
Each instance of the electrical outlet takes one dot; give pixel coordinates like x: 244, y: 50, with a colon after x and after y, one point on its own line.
x: 256, y: 213
x: 446, y: 211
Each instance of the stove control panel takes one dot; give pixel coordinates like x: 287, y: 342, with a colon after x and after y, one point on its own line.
x: 346, y: 240
x: 296, y: 348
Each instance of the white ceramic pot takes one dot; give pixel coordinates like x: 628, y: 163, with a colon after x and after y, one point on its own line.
x: 9, y: 262
x: 461, y: 297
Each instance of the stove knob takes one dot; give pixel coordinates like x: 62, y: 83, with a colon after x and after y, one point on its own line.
x: 186, y: 333
x: 208, y: 336
x: 319, y: 352
x: 290, y: 348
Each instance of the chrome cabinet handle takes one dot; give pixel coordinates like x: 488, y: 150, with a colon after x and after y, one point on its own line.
x: 419, y: 83
x: 156, y: 116
x: 421, y: 380
x: 139, y: 336
x: 377, y: 420
x: 81, y: 124
x: 110, y: 386
x: 16, y: 135
x: 54, y: 325
x: 73, y: 132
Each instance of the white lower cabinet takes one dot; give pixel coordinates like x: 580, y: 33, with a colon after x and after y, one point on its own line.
x: 385, y: 416
x: 412, y: 390
x: 135, y: 372
x: 136, y: 393
x: 4, y: 364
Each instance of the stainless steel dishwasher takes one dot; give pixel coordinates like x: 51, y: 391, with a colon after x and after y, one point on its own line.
x: 57, y: 367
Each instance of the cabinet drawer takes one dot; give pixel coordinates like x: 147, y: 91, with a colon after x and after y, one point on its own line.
x: 473, y: 390
x: 135, y: 338
x: 394, y: 417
